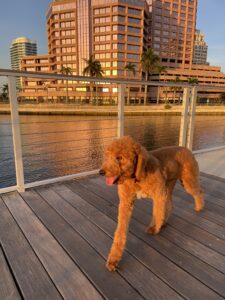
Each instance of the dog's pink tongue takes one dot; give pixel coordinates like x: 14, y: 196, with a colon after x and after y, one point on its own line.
x: 110, y: 180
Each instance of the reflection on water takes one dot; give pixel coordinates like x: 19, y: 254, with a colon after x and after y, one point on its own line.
x: 60, y: 145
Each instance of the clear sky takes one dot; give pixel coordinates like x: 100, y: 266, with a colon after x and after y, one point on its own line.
x: 27, y: 18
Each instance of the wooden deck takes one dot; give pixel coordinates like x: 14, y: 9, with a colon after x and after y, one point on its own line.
x: 54, y: 241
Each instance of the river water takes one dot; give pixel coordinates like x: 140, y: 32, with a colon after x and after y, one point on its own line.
x: 60, y: 145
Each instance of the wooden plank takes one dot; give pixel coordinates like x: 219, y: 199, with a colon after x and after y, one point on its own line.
x: 89, y: 261
x: 181, y: 211
x: 158, y: 263
x: 145, y: 206
x: 8, y: 288
x: 187, y: 203
x: 212, y: 177
x: 200, y: 222
x: 199, y: 269
x: 213, y: 187
x: 31, y: 277
x: 206, y: 254
x: 100, y: 240
x: 216, y: 200
x: 67, y: 277
x: 209, y: 205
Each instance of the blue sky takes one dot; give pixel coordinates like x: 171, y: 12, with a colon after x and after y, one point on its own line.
x: 27, y: 18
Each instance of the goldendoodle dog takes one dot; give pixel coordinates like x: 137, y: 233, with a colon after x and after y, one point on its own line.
x: 143, y: 174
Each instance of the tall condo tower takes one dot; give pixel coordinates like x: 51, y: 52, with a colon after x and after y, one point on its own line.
x: 20, y: 47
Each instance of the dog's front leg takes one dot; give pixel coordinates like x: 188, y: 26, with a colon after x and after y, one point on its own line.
x: 119, y: 241
x: 159, y: 213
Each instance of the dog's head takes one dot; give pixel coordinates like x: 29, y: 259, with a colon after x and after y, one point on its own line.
x: 124, y: 159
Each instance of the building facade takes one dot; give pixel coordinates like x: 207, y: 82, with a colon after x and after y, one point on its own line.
x: 172, y: 30
x: 21, y: 47
x: 117, y: 32
x: 200, y: 49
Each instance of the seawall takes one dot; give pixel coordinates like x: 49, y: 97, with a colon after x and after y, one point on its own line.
x: 87, y: 110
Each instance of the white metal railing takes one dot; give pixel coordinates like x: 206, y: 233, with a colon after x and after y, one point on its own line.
x: 186, y: 127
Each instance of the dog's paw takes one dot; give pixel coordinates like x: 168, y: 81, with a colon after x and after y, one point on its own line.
x: 199, y: 206
x: 112, y: 264
x: 152, y: 230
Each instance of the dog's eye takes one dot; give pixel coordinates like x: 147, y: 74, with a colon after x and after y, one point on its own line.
x: 119, y: 158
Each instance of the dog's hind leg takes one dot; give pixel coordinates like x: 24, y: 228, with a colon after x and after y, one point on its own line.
x: 192, y: 187
x: 169, y: 204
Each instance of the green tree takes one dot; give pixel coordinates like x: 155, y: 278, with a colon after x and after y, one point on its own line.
x: 176, y: 89
x: 160, y: 70
x: 150, y: 62
x: 66, y: 71
x: 93, y: 69
x: 5, y: 92
x: 131, y: 69
x: 193, y: 80
x: 222, y: 97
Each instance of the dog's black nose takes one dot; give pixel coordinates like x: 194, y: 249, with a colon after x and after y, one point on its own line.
x: 101, y: 172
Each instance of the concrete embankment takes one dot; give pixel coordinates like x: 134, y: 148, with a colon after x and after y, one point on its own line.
x: 87, y: 110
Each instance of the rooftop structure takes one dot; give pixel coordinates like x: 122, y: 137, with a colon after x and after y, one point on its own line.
x: 200, y: 49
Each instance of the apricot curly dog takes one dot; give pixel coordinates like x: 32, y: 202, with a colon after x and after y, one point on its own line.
x: 142, y: 174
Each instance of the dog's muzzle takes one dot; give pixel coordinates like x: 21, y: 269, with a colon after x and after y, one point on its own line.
x: 102, y: 172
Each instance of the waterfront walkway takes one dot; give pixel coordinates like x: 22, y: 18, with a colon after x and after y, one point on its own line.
x: 212, y: 162
x: 55, y: 240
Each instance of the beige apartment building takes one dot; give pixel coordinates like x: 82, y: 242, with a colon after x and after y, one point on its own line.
x: 116, y: 32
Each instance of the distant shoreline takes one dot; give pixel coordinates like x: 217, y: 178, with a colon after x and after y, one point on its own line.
x: 87, y: 110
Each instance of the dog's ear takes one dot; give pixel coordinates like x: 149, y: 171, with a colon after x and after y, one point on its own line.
x: 142, y: 157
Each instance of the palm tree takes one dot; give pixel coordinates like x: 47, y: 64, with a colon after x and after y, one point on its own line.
x: 149, y: 61
x: 160, y: 70
x: 176, y: 88
x: 66, y: 71
x: 193, y: 80
x: 222, y: 97
x: 93, y: 69
x: 5, y: 92
x: 130, y: 68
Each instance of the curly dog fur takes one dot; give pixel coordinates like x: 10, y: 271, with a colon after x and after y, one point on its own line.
x: 143, y: 174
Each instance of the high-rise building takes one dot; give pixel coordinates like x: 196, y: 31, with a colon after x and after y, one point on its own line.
x: 172, y: 30
x: 117, y: 32
x: 119, y: 35
x: 200, y: 49
x: 21, y: 47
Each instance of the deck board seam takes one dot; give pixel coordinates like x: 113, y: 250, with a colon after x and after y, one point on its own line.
x: 141, y: 210
x: 130, y: 253
x: 11, y: 273
x: 86, y: 275
x: 106, y: 233
x: 39, y: 219
x: 31, y: 247
x: 196, y: 257
x: 160, y: 253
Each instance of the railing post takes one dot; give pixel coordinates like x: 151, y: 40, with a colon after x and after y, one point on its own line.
x: 17, y: 146
x: 121, y: 102
x: 192, y: 118
x: 184, y: 117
